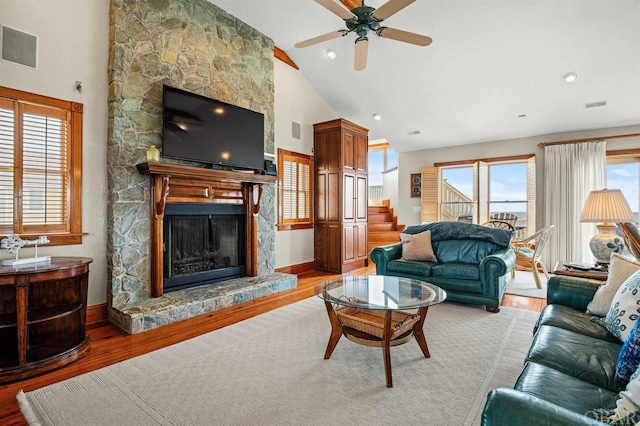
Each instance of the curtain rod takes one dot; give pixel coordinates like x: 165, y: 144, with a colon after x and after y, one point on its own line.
x: 601, y: 138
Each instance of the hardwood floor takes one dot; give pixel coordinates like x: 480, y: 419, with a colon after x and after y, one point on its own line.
x: 110, y: 345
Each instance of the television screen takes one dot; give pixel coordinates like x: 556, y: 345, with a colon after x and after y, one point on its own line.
x: 210, y: 131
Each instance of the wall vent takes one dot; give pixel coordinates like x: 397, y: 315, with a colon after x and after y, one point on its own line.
x: 414, y: 132
x: 295, y: 130
x: 595, y: 104
x: 20, y: 48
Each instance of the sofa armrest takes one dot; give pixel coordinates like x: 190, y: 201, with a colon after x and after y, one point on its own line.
x: 510, y: 407
x: 571, y: 291
x: 383, y: 255
x: 500, y: 261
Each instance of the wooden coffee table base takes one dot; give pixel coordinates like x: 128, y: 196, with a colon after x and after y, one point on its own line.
x: 386, y: 342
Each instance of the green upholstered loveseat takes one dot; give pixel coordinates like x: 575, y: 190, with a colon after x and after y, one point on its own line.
x: 570, y: 369
x: 473, y: 261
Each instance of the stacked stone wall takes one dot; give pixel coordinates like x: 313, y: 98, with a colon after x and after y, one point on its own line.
x: 195, y: 46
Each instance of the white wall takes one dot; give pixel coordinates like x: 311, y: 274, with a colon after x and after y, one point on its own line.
x: 73, y: 39
x: 296, y: 100
x: 412, y: 162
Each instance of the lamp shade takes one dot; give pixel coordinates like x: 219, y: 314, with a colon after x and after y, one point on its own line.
x: 606, y: 205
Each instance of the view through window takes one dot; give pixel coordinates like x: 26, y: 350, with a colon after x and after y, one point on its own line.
x: 381, y: 159
x: 485, y: 190
x: 623, y: 174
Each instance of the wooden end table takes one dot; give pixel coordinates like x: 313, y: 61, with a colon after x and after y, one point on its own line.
x: 561, y: 269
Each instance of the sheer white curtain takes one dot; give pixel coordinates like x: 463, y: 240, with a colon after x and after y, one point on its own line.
x: 571, y: 171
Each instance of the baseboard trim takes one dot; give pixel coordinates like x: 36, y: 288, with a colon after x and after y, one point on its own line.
x: 296, y: 269
x: 97, y: 315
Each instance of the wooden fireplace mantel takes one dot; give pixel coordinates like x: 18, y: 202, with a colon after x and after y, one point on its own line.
x: 175, y: 183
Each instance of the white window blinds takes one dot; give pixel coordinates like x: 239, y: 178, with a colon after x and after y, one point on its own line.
x: 7, y: 137
x: 34, y: 167
x: 296, y: 189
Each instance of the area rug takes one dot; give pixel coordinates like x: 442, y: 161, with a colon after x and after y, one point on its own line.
x: 269, y: 370
x: 523, y: 284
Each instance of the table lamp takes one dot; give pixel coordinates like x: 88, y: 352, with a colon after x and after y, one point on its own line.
x: 606, y: 207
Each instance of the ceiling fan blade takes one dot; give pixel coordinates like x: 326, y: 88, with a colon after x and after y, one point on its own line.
x: 337, y: 8
x: 404, y: 36
x: 362, y: 47
x: 320, y: 39
x: 390, y: 8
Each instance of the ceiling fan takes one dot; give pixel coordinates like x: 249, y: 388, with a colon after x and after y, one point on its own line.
x: 363, y: 19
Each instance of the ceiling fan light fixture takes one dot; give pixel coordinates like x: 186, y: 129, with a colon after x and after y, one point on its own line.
x: 377, y: 116
x: 570, y: 77
x: 362, y: 20
x: 331, y: 54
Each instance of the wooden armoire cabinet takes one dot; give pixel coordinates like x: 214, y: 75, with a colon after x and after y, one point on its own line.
x: 341, y: 196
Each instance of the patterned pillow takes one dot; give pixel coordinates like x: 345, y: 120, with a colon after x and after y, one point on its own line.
x: 417, y: 247
x: 629, y: 400
x: 627, y: 411
x: 625, y: 308
x: 629, y: 357
x: 620, y: 269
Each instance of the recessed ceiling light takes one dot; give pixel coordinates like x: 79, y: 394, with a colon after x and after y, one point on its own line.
x: 331, y: 54
x: 570, y: 77
x: 377, y: 116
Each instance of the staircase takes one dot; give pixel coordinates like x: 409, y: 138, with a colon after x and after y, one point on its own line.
x: 383, y: 226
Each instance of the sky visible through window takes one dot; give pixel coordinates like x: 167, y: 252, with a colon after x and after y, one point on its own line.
x: 376, y: 165
x: 625, y: 177
x: 508, y: 182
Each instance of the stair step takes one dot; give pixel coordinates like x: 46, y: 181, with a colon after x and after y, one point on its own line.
x: 387, y: 226
x: 378, y: 209
x: 378, y: 218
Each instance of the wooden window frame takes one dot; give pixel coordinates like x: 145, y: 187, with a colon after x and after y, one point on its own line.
x: 308, y: 159
x: 72, y: 234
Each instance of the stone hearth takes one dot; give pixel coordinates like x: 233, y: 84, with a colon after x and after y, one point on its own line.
x: 180, y: 305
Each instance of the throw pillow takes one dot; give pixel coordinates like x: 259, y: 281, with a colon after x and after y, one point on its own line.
x: 627, y: 405
x: 417, y: 247
x: 629, y: 357
x: 625, y: 308
x: 629, y: 400
x: 620, y: 269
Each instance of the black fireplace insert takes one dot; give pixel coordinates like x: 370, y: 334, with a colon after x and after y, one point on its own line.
x: 203, y: 244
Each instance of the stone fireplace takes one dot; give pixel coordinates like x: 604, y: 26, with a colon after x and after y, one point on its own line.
x: 195, y: 46
x: 196, y: 265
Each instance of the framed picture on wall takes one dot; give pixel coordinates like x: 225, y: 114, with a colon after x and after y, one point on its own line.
x: 415, y: 185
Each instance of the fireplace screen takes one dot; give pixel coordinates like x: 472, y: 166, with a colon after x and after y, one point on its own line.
x: 202, y: 249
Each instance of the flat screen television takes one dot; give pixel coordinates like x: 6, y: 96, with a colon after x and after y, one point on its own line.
x: 209, y: 131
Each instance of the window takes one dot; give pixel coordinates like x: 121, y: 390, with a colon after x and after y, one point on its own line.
x: 40, y: 167
x: 623, y: 172
x: 295, y: 190
x: 381, y: 159
x: 474, y: 191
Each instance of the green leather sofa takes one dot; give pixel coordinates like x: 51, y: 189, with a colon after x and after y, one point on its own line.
x: 473, y: 261
x: 570, y: 369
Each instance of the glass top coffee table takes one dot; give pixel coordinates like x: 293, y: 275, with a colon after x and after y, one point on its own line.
x: 373, y: 311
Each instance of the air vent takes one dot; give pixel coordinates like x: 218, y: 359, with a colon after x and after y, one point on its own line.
x: 595, y: 104
x: 414, y: 132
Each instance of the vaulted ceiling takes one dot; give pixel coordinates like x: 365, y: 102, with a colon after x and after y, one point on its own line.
x: 491, y: 62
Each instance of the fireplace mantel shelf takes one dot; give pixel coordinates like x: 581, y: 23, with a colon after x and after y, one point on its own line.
x: 191, y: 172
